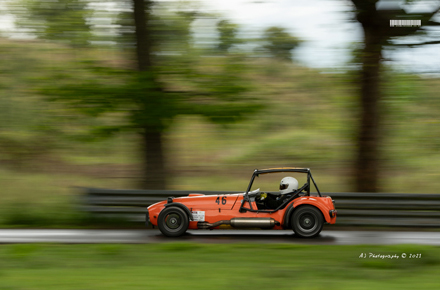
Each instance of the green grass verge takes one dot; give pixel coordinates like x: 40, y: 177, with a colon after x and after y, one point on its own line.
x: 215, y: 266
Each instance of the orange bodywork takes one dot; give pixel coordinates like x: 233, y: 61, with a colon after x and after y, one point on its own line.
x: 226, y: 207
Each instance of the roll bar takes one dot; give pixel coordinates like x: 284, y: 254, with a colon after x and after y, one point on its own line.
x: 257, y: 172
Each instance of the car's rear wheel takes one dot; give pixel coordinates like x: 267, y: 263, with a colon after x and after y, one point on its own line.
x: 173, y: 221
x: 307, y: 221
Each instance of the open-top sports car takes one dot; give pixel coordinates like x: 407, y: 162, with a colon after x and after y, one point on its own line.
x: 292, y: 207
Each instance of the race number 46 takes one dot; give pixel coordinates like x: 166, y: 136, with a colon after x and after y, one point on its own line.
x: 223, y: 201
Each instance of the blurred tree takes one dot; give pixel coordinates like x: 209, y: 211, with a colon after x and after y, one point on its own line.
x: 150, y: 97
x: 227, y: 35
x: 279, y: 43
x: 167, y: 78
x: 60, y: 20
x: 377, y: 34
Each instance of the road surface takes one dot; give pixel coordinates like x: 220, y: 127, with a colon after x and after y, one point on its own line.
x: 217, y: 236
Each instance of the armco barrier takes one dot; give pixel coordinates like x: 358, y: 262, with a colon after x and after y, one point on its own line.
x: 354, y: 209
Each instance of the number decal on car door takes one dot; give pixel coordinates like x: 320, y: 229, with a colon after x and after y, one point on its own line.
x: 224, y: 200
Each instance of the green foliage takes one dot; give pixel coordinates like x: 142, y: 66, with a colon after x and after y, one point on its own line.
x: 164, y: 80
x: 220, y: 96
x: 22, y: 149
x: 61, y: 20
x: 218, y: 90
x: 227, y: 35
x: 308, y: 122
x: 182, y: 81
x: 169, y: 29
x: 279, y: 43
x: 28, y: 215
x: 411, y: 118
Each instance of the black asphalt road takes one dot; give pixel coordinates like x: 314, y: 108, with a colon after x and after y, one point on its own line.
x: 218, y: 236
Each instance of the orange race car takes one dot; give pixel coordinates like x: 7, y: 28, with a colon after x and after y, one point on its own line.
x: 291, y: 207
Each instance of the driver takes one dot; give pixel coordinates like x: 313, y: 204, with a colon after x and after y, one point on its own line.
x: 287, y: 186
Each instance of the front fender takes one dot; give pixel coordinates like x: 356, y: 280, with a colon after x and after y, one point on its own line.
x: 155, y: 209
x: 182, y: 206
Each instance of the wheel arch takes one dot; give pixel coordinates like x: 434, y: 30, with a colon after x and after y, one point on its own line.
x: 292, y: 208
x: 182, y: 206
x: 287, y: 216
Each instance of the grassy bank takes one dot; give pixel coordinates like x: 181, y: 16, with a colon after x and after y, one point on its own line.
x: 216, y: 266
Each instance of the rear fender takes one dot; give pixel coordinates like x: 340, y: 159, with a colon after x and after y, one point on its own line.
x: 287, y: 215
x: 316, y: 202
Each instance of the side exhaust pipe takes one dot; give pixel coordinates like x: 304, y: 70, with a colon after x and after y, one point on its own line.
x: 262, y: 223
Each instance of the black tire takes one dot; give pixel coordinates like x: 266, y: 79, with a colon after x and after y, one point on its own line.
x: 307, y: 221
x: 173, y: 221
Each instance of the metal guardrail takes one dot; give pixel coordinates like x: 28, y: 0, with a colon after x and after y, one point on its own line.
x: 354, y: 209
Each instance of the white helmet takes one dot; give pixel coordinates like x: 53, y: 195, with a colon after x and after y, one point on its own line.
x: 288, y: 185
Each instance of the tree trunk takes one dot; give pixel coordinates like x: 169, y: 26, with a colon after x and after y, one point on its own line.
x: 154, y: 162
x: 155, y: 175
x: 368, y: 140
x: 141, y: 12
x: 377, y: 32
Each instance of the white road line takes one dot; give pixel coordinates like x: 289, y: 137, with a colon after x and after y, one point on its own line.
x: 217, y: 236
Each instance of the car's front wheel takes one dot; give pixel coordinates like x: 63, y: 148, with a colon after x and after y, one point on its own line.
x: 173, y: 221
x: 307, y: 221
